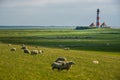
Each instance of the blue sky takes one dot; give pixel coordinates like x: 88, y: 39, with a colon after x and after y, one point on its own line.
x: 58, y: 12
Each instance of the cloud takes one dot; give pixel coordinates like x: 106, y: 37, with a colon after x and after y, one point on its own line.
x: 18, y: 3
x: 43, y: 3
x: 58, y: 12
x: 100, y: 1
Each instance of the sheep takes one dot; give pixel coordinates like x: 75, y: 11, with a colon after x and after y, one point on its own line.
x: 9, y: 44
x: 67, y: 48
x: 41, y: 51
x: 62, y: 65
x: 60, y: 59
x: 34, y: 52
x: 13, y: 49
x: 27, y: 51
x: 23, y: 44
x: 56, y: 65
x: 24, y: 47
x: 96, y: 62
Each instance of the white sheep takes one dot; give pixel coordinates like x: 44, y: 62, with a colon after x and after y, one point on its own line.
x: 67, y: 48
x: 24, y: 47
x: 60, y: 59
x: 41, y: 51
x: 62, y: 65
x: 34, y: 52
x: 27, y: 51
x: 96, y: 62
x: 9, y: 44
x: 13, y: 49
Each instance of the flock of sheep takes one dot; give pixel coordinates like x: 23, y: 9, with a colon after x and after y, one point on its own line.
x: 26, y: 50
x: 60, y: 63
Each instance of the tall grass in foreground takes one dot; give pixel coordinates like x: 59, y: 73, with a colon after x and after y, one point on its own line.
x: 19, y: 66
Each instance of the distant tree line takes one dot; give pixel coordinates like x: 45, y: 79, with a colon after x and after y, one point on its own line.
x: 82, y: 27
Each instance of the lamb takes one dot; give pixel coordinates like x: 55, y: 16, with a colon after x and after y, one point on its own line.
x: 27, y: 51
x: 13, y: 49
x: 60, y: 59
x: 34, y: 52
x: 62, y: 65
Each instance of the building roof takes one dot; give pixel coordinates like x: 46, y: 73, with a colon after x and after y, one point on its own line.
x: 103, y: 25
x: 92, y: 25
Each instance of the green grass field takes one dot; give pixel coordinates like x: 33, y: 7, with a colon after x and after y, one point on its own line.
x: 85, y: 46
x: 91, y: 39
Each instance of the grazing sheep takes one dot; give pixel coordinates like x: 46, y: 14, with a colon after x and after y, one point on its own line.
x: 9, y: 44
x: 24, y: 47
x: 26, y: 51
x: 23, y: 44
x: 13, y: 49
x: 66, y: 48
x: 56, y: 65
x: 41, y: 51
x: 34, y: 52
x: 96, y: 62
x: 60, y: 59
x: 62, y: 65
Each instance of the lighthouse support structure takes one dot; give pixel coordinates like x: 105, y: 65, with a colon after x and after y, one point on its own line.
x: 98, y: 18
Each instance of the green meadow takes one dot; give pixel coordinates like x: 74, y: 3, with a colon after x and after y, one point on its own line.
x: 85, y: 46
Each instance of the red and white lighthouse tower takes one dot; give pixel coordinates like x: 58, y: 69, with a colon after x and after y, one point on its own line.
x: 97, y: 19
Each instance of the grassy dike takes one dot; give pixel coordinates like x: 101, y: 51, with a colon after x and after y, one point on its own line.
x: 85, y: 46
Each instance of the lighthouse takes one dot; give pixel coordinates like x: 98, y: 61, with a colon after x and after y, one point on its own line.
x: 97, y: 19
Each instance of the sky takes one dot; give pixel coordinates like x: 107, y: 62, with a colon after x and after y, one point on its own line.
x: 58, y: 12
